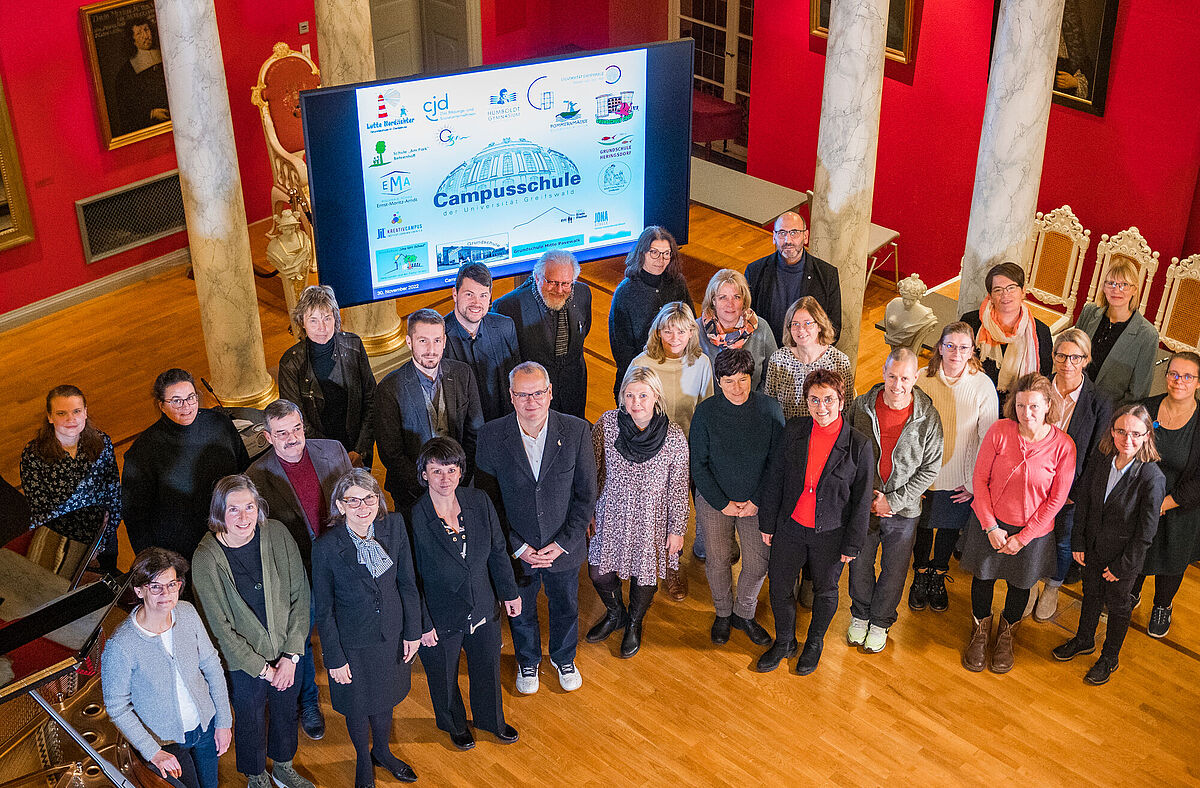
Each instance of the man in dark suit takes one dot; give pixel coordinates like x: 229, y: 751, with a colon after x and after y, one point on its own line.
x: 485, y: 340
x: 540, y: 470
x: 552, y: 311
x: 788, y: 273
x: 426, y: 396
x: 296, y: 480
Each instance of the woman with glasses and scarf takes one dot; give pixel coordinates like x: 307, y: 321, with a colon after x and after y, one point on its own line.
x: 726, y: 320
x: 369, y: 617
x: 1011, y: 342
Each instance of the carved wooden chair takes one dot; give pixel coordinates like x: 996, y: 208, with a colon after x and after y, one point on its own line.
x: 280, y: 80
x: 1178, y: 321
x: 1130, y: 245
x: 1054, y: 261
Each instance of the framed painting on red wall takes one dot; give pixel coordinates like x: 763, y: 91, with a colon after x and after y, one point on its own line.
x: 127, y: 70
x: 899, y: 38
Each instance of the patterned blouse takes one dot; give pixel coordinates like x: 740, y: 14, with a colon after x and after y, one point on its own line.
x: 786, y: 374
x: 639, y: 504
x: 71, y: 495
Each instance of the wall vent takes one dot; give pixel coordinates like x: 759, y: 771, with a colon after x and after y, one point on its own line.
x: 130, y: 216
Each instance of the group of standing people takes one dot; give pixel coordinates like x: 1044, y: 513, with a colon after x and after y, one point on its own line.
x: 502, y: 489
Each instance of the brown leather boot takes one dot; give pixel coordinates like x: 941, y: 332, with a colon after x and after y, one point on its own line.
x: 975, y: 660
x: 677, y: 584
x: 1002, y: 652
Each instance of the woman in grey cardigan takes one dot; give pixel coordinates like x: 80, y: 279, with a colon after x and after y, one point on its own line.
x: 254, y: 593
x: 164, y: 687
x: 726, y: 320
x: 1124, y: 343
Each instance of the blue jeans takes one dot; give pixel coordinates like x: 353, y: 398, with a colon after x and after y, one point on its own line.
x: 197, y: 756
x: 562, y: 597
x: 306, y: 670
x: 1063, y: 523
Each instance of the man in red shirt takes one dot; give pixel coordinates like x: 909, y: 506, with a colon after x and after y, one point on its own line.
x: 906, y: 434
x: 296, y: 480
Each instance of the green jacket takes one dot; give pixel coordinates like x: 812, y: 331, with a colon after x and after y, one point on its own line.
x: 243, y: 642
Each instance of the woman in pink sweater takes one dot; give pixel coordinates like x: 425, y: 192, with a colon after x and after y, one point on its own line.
x: 1022, y: 478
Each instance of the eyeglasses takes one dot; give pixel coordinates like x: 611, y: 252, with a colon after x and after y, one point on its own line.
x: 1186, y: 377
x: 950, y: 346
x: 1074, y: 358
x: 526, y: 396
x: 158, y: 589
x: 1120, y: 287
x: 790, y: 233
x: 179, y: 402
x: 557, y: 285
x: 1012, y: 289
x: 1120, y: 433
x: 358, y: 503
x: 805, y: 324
x: 827, y: 401
x: 664, y: 254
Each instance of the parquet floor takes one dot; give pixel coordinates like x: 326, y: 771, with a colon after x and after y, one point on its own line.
x: 685, y: 712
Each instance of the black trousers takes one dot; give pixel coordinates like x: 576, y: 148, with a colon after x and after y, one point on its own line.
x: 482, y: 648
x: 1098, y: 592
x: 795, y: 547
x: 265, y: 721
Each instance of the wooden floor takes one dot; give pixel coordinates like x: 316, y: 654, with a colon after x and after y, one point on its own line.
x: 684, y: 711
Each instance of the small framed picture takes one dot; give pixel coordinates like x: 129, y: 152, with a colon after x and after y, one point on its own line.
x: 899, y: 37
x: 127, y: 70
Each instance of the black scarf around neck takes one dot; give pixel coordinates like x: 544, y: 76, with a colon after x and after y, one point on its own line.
x: 638, y: 445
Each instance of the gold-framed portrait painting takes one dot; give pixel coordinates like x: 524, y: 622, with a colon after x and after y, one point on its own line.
x: 899, y: 37
x: 127, y: 70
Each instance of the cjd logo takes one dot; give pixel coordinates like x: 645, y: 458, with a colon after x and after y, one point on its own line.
x: 436, y: 105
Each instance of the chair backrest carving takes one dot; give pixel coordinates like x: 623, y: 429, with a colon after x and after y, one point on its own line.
x: 1178, y: 321
x: 277, y: 95
x: 1058, y: 245
x: 1130, y: 245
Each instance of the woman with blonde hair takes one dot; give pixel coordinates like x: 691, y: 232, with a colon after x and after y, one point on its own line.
x: 673, y: 352
x: 642, y: 511
x: 807, y: 345
x: 726, y: 320
x: 1124, y: 343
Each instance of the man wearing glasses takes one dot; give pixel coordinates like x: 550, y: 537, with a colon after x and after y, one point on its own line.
x: 552, y: 311
x: 540, y: 470
x: 788, y: 273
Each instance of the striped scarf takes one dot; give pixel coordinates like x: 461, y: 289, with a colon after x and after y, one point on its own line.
x: 370, y: 552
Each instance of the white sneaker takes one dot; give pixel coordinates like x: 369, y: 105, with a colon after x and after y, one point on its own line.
x: 527, y: 679
x: 568, y: 676
x: 857, y: 632
x: 876, y: 639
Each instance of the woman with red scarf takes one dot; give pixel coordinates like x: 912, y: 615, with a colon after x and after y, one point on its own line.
x: 1011, y: 342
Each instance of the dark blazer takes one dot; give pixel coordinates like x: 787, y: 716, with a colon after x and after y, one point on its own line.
x: 1093, y: 413
x: 402, y: 424
x: 1116, y: 533
x: 491, y: 353
x: 1187, y: 488
x: 635, y: 304
x: 454, y: 589
x: 844, y: 490
x: 329, y: 460
x: 822, y: 282
x: 352, y: 368
x: 556, y: 507
x: 1045, y: 348
x: 352, y: 609
x: 535, y: 337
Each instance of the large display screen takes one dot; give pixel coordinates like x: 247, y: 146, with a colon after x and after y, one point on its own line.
x: 411, y: 179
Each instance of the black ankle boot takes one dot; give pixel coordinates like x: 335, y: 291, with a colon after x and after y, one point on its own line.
x: 615, y: 616
x: 640, y: 598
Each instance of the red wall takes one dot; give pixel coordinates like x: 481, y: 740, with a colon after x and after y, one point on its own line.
x: 1137, y: 165
x: 519, y: 29
x: 63, y: 158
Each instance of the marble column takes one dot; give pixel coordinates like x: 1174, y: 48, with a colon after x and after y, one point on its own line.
x: 347, y: 54
x: 1008, y: 171
x: 846, y: 145
x: 215, y: 212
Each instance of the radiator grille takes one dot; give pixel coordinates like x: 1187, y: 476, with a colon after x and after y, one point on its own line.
x: 130, y: 216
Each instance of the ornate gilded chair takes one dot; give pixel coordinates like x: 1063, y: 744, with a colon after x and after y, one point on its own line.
x: 1130, y: 245
x: 1178, y: 320
x: 277, y: 96
x: 1054, y: 263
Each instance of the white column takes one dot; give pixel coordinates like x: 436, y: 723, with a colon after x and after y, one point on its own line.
x: 212, y: 200
x: 846, y: 147
x: 347, y: 54
x: 1009, y: 169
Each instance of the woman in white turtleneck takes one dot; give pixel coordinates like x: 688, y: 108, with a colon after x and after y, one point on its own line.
x: 965, y: 398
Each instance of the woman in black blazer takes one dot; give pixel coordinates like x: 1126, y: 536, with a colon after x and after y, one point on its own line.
x: 367, y: 603
x: 815, y: 506
x: 1116, y: 503
x: 460, y: 554
x: 1086, y: 421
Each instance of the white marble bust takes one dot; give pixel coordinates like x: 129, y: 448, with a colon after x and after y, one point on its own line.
x: 907, y: 322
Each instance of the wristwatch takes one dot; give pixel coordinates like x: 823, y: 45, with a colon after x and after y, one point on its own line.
x: 295, y: 658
